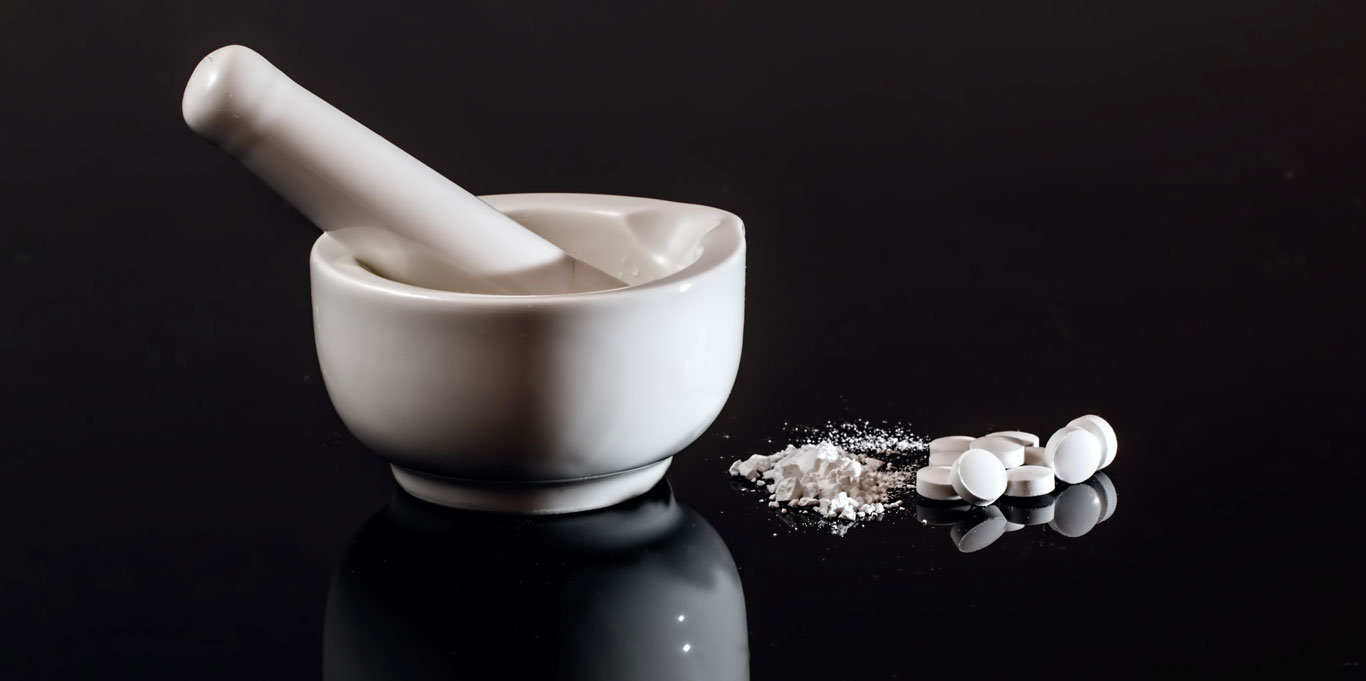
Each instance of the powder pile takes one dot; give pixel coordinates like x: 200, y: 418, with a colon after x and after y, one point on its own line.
x: 827, y: 479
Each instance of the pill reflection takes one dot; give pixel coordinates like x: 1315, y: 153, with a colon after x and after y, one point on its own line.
x: 979, y: 529
x: 1076, y: 511
x: 940, y: 513
x: 1029, y: 512
x: 1070, y: 511
x: 1108, y: 496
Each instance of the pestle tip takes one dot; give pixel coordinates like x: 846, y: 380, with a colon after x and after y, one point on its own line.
x: 226, y: 91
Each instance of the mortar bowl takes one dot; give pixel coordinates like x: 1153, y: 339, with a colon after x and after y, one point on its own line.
x: 537, y: 404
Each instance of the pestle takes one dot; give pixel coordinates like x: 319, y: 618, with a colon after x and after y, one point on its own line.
x: 349, y: 180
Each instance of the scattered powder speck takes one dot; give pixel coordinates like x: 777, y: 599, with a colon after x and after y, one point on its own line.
x: 840, y: 473
x: 862, y: 437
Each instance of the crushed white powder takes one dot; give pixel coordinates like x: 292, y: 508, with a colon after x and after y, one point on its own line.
x: 837, y: 483
x: 837, y: 476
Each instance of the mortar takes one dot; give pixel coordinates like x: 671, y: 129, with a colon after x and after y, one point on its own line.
x: 538, y: 403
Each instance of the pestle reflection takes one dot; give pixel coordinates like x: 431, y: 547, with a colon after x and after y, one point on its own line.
x: 644, y: 589
x: 1070, y: 511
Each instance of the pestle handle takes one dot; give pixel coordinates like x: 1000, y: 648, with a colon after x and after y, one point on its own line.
x: 341, y: 174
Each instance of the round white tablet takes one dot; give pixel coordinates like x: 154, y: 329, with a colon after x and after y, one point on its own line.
x: 935, y: 482
x: 1026, y: 439
x: 1076, y: 511
x: 1010, y: 452
x: 979, y: 530
x: 1099, y: 427
x: 1011, y: 527
x: 1053, y: 439
x: 1105, y: 487
x: 979, y: 477
x: 1074, y: 454
x: 1036, y: 456
x: 1028, y: 511
x: 1029, y: 481
x: 953, y: 444
x: 944, y: 458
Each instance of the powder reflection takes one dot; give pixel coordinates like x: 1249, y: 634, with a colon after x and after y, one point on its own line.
x: 643, y: 590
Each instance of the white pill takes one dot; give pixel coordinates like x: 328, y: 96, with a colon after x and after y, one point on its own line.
x: 979, y: 530
x: 1053, y: 439
x: 1026, y: 439
x: 1011, y: 527
x: 1099, y: 427
x: 1105, y: 487
x: 953, y: 444
x: 935, y: 482
x: 1076, y: 511
x: 979, y: 477
x: 1029, y: 481
x: 1074, y: 454
x: 1029, y: 511
x: 1010, y: 452
x: 1036, y: 456
x: 944, y: 458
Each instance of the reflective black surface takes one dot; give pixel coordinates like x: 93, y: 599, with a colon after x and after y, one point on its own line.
x: 963, y: 216
x: 645, y: 589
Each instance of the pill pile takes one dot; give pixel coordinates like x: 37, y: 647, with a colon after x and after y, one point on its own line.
x: 980, y: 470
x: 977, y: 471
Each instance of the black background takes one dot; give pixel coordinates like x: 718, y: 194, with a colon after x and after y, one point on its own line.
x: 962, y: 216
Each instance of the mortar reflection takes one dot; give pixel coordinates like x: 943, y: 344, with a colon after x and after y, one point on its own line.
x: 642, y: 590
x: 1070, y: 511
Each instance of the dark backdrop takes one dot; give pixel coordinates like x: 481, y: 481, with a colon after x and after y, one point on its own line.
x: 959, y: 215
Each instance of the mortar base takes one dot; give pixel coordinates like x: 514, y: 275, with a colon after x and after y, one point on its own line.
x: 532, y: 498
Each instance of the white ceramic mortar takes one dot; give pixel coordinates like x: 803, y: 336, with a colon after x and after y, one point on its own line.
x: 540, y: 403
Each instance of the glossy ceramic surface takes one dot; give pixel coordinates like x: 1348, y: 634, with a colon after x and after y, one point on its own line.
x: 473, y: 397
x: 348, y: 179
